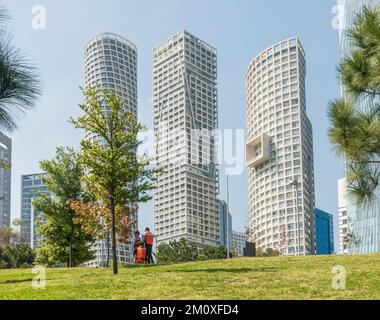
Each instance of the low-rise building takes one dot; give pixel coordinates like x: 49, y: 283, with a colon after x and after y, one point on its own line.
x: 239, y: 240
x: 324, y: 232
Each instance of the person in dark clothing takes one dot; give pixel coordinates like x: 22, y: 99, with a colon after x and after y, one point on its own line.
x: 137, y: 242
x: 148, y: 239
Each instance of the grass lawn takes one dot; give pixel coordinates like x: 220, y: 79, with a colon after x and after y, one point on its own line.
x: 246, y: 278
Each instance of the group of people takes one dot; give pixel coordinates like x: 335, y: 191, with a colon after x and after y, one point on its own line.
x: 143, y: 247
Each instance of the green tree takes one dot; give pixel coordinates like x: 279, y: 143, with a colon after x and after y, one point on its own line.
x: 356, y: 133
x: 2, y: 258
x: 11, y: 235
x: 17, y: 226
x: 116, y: 176
x: 63, y: 239
x: 19, y: 80
x: 6, y: 235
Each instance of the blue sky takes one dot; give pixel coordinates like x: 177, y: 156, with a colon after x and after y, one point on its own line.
x: 239, y: 29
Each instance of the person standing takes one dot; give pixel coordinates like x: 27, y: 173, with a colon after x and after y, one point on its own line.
x: 148, y: 239
x: 137, y: 242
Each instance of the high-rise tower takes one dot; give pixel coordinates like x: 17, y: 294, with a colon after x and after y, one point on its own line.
x: 185, y: 120
x: 362, y: 223
x: 5, y: 180
x: 111, y: 63
x: 280, y: 151
x: 32, y: 187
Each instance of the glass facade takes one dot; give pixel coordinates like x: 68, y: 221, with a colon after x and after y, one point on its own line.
x: 223, y: 225
x: 32, y: 186
x: 325, y: 232
x: 363, y: 223
x: 5, y: 181
x: 348, y: 9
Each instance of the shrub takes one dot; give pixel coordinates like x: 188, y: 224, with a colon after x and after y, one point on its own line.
x: 182, y: 251
x: 267, y: 253
x: 16, y: 256
x: 177, y: 251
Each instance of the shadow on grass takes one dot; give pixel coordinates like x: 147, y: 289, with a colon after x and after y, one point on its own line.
x: 142, y: 266
x: 16, y: 281
x: 228, y: 270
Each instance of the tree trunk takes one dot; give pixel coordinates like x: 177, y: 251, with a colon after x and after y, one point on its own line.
x: 108, y: 249
x: 114, y: 253
x: 71, y: 246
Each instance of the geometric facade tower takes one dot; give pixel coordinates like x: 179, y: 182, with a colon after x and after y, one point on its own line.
x: 185, y: 103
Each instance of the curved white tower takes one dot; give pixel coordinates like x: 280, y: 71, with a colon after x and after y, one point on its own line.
x: 111, y: 63
x: 280, y: 151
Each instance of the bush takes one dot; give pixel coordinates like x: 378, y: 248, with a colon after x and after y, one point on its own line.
x: 16, y: 256
x: 212, y: 253
x: 182, y: 251
x: 177, y: 251
x: 267, y: 253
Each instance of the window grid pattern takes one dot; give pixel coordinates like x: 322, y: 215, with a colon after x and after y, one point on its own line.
x: 277, y: 107
x: 185, y: 97
x: 32, y: 187
x: 5, y: 181
x: 111, y: 63
x: 239, y: 242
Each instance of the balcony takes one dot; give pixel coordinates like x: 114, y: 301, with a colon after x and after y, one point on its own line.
x: 258, y: 151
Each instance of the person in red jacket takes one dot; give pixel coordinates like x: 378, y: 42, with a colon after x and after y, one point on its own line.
x: 148, y: 239
x: 140, y: 254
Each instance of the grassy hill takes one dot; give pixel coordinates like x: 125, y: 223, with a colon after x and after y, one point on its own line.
x: 246, y: 278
